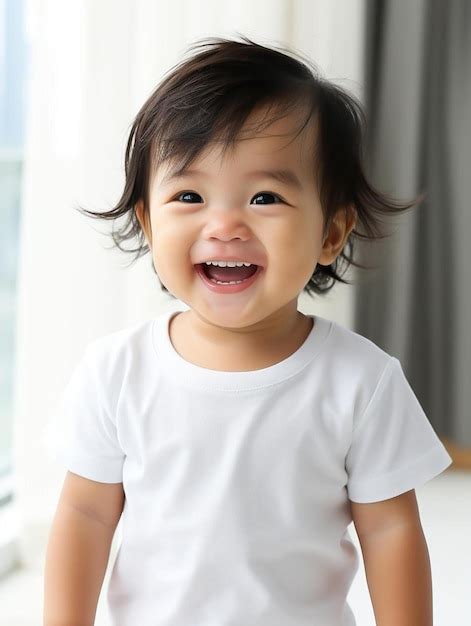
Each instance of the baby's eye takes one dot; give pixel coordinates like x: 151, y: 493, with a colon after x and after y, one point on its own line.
x: 267, y: 193
x: 186, y: 193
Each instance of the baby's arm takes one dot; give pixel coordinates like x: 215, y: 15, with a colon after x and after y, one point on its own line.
x: 78, y: 550
x: 396, y: 559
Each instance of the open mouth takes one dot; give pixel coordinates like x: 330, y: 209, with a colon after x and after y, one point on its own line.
x: 228, y: 275
x: 228, y: 279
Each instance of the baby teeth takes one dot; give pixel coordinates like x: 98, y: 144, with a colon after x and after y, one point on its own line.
x: 231, y: 282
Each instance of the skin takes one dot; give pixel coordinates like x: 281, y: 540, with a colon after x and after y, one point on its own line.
x: 260, y: 326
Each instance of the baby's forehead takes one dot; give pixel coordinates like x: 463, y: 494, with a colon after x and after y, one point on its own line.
x: 292, y: 175
x: 282, y: 148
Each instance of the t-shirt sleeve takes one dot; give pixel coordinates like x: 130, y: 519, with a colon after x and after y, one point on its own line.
x: 84, y: 434
x: 394, y: 447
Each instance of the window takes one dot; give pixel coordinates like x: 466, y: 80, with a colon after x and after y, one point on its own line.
x: 14, y: 55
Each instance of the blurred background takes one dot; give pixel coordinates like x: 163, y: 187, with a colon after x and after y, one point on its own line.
x: 72, y: 77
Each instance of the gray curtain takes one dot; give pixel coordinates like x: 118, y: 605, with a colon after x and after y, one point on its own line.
x: 416, y: 303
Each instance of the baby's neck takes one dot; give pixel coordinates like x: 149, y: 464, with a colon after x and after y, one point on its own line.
x: 240, y: 353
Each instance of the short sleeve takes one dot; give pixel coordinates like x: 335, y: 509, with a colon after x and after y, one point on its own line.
x: 394, y: 447
x: 82, y: 434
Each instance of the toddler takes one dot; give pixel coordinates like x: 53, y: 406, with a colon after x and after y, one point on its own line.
x: 238, y: 438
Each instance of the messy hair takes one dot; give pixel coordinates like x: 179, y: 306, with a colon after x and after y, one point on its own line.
x: 209, y: 97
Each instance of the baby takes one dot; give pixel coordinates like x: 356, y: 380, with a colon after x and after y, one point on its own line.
x: 239, y: 438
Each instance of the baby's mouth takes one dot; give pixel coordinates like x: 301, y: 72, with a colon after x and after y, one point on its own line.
x: 227, y: 274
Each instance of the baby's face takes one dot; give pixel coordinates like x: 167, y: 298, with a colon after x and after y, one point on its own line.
x: 227, y: 209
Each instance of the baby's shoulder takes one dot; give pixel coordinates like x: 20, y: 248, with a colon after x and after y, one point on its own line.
x: 354, y: 362
x: 349, y: 346
x: 120, y: 348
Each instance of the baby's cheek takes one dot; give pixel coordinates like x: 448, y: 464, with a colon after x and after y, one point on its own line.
x: 283, y: 273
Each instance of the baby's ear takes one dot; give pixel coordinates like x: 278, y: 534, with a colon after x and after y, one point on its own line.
x: 340, y: 228
x: 143, y: 219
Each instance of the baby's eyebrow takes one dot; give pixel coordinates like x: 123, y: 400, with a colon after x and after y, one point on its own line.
x: 285, y: 176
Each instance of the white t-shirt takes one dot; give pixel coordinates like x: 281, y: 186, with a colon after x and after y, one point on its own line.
x: 237, y: 484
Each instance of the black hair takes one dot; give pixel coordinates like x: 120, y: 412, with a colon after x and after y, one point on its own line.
x: 211, y: 94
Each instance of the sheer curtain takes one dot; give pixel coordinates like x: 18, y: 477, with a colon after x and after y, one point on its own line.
x: 94, y: 64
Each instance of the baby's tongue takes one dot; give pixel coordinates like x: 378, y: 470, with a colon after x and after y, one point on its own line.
x: 229, y: 273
